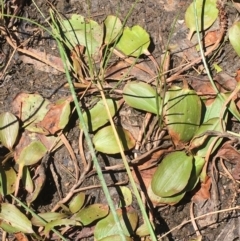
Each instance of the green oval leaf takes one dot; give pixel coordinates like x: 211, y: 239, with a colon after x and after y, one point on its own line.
x: 156, y: 200
x: 7, y: 180
x: 134, y: 41
x: 106, y: 227
x: 125, y: 197
x: 48, y: 217
x: 105, y: 140
x: 80, y: 31
x: 98, y: 116
x: 172, y: 174
x: 77, y: 202
x: 207, y: 14
x: 182, y: 114
x: 32, y: 153
x: 141, y: 96
x: 27, y: 180
x: 198, y: 163
x: 11, y: 215
x: 91, y: 213
x: 234, y: 36
x: 113, y: 27
x: 9, y: 128
x: 59, y: 222
x: 201, y: 141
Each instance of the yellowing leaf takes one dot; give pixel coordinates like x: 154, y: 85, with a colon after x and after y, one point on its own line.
x: 91, y: 213
x: 9, y: 128
x: 97, y: 116
x: 207, y: 13
x: 113, y: 28
x: 77, y: 202
x: 106, y: 227
x: 31, y: 109
x: 79, y: 30
x: 11, y: 215
x: 32, y: 153
x: 105, y: 140
x: 234, y: 37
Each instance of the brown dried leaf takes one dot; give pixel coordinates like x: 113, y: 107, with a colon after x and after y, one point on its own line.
x: 51, y: 121
x: 21, y: 237
x: 145, y: 165
x: 24, y: 141
x: 211, y: 37
x: 204, y: 192
x: 145, y: 177
x: 226, y: 81
x: 230, y: 154
x: 57, y: 61
x: 119, y: 70
x: 203, y: 86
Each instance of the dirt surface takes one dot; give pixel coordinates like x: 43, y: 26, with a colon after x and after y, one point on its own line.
x: 22, y: 75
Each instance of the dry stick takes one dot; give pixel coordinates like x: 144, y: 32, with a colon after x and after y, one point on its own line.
x: 226, y: 170
x: 199, y: 217
x: 150, y: 130
x: 198, y: 60
x: 14, y: 51
x: 27, y: 52
x: 81, y: 151
x: 55, y: 178
x: 8, y: 63
x: 193, y: 221
x: 99, y: 186
x: 229, y: 175
x: 144, y: 125
x: 118, y: 167
x: 158, y: 137
x: 71, y: 152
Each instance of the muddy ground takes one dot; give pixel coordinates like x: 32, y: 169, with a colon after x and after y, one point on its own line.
x: 23, y: 76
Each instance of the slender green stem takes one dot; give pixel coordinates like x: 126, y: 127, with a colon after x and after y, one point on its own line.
x: 125, y: 162
x: 201, y: 49
x: 90, y: 145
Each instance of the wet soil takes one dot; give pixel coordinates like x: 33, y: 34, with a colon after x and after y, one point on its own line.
x: 157, y: 18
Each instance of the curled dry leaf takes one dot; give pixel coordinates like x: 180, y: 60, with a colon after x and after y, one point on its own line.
x: 230, y: 154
